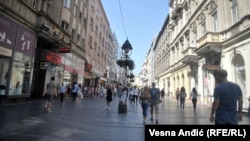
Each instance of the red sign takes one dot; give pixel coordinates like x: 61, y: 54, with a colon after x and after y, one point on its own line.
x: 88, y: 66
x: 54, y: 58
x: 64, y: 50
x: 212, y: 67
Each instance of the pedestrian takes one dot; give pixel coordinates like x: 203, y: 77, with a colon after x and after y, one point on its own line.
x: 144, y: 100
x: 115, y: 90
x: 183, y: 96
x: 193, y: 97
x: 79, y: 94
x: 50, y: 91
x: 74, y: 91
x: 162, y: 94
x: 109, y: 96
x: 135, y: 94
x: 68, y: 90
x: 154, y: 102
x: 62, y: 90
x: 120, y: 91
x: 177, y: 94
x: 226, y: 96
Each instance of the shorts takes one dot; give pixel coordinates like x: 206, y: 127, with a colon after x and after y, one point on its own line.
x: 50, y: 97
x: 154, y: 106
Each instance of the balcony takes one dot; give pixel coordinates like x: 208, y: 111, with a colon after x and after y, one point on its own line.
x: 179, y: 5
x: 209, y: 46
x: 174, y: 15
x: 210, y: 41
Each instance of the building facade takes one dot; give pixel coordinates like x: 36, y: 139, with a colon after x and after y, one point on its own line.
x: 100, y: 44
x: 200, y: 37
x: 68, y: 39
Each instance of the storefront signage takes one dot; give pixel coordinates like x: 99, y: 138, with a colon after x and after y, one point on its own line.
x: 54, y: 58
x: 88, y: 66
x: 51, y: 57
x: 64, y: 50
x: 8, y: 29
x: 25, y: 41
x: 212, y: 67
x: 44, y: 65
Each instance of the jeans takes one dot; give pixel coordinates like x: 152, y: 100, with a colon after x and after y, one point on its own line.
x: 182, y: 103
x: 144, y: 106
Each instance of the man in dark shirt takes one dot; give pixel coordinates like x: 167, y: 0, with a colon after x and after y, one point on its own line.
x: 154, y: 102
x: 226, y: 97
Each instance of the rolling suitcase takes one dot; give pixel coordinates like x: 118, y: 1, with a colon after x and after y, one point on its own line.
x: 122, y: 107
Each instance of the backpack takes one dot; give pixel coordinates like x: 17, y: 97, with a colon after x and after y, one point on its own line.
x: 155, y: 94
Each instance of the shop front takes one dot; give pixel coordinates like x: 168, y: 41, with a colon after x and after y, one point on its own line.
x: 17, y: 44
x: 48, y: 64
x: 73, y: 69
x: 87, y: 74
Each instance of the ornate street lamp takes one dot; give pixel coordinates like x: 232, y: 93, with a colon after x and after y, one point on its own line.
x: 125, y: 62
x: 127, y: 48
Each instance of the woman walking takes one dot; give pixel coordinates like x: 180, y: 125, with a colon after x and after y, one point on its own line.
x: 194, y: 98
x: 183, y: 95
x: 145, y: 99
x: 62, y: 90
x: 109, y: 95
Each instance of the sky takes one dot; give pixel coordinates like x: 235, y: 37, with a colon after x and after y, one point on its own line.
x: 139, y: 21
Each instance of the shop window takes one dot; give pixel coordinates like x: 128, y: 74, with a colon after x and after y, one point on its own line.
x: 20, y: 76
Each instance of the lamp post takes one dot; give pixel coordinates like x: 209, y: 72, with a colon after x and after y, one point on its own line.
x: 126, y: 51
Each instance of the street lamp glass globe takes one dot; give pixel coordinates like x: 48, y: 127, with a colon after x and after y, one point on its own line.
x: 126, y: 47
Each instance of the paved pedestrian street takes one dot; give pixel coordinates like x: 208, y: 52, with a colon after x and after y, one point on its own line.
x: 89, y: 120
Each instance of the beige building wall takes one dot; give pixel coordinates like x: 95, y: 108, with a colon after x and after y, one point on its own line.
x: 201, y: 34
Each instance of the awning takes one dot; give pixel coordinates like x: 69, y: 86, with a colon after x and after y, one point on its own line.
x: 102, y: 78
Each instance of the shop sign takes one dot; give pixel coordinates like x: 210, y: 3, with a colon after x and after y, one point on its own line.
x: 64, y: 50
x: 25, y: 41
x: 8, y: 29
x: 51, y: 57
x: 44, y: 65
x: 88, y: 66
x: 212, y: 67
x: 54, y: 58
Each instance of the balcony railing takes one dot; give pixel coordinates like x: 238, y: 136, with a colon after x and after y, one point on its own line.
x: 209, y: 38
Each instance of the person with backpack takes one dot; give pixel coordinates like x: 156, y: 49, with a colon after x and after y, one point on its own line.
x: 154, y: 102
x: 183, y: 95
x: 145, y: 100
x: 50, y: 92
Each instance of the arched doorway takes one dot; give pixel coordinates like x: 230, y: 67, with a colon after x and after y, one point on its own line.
x: 240, y: 76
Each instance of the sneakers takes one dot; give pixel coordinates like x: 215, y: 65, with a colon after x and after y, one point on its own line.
x: 49, y: 111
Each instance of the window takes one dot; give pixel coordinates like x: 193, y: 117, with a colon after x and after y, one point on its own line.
x: 75, y: 8
x: 65, y: 25
x: 90, y: 41
x: 83, y: 43
x: 66, y: 3
x: 73, y: 33
x: 234, y: 10
x: 34, y: 3
x: 203, y: 28
x: 92, y: 24
x: 78, y: 39
x: 80, y: 16
x: 215, y: 22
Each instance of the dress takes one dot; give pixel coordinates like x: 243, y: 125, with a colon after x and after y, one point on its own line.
x: 109, y: 95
